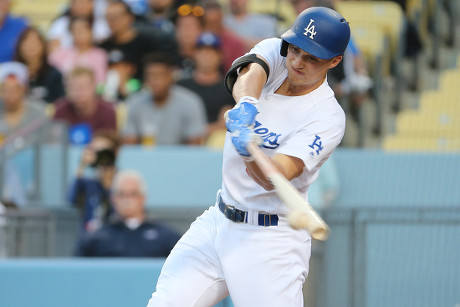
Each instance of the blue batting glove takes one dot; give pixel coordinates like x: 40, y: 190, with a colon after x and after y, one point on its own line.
x: 241, y: 139
x: 243, y: 114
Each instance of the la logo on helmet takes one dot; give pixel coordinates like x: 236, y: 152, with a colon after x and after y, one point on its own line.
x: 310, y: 29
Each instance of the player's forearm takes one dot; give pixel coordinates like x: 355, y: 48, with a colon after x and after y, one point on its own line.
x: 289, y: 167
x: 256, y: 174
x: 250, y: 82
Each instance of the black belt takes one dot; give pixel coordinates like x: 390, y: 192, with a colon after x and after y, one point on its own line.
x: 240, y: 216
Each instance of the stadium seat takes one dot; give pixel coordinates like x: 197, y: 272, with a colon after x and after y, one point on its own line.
x: 373, y: 43
x: 121, y: 112
x: 216, y: 139
x: 437, y: 123
x: 390, y: 17
x: 49, y: 110
x: 420, y: 143
x: 387, y: 15
x: 39, y: 12
x: 449, y: 81
x: 440, y: 101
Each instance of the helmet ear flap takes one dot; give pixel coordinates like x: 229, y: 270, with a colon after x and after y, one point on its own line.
x: 284, y: 48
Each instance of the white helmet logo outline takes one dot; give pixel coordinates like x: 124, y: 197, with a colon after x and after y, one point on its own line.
x: 310, y: 29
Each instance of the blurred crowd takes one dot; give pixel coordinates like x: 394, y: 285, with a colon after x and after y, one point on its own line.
x: 136, y: 72
x: 151, y: 70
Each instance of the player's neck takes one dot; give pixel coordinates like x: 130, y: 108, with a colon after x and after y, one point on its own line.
x: 291, y: 89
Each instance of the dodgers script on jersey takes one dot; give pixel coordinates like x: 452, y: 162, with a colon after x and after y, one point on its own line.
x: 308, y: 127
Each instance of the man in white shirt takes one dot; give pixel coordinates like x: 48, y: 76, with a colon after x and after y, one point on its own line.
x: 244, y: 246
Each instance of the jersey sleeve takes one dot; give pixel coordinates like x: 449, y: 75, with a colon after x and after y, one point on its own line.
x: 314, y: 143
x: 269, y: 49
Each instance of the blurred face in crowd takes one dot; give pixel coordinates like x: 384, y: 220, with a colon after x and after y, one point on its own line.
x: 81, y: 91
x: 128, y: 198
x: 12, y: 93
x: 207, y: 58
x: 188, y: 28
x: 82, y: 8
x: 301, y: 5
x: 4, y: 9
x: 159, y: 6
x: 159, y: 78
x: 213, y: 19
x: 82, y: 33
x: 238, y: 6
x: 118, y: 18
x: 32, y: 46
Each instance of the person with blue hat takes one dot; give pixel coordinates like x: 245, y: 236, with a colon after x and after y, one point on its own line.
x: 207, y: 78
x: 243, y: 245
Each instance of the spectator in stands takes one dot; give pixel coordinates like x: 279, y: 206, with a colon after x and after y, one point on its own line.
x: 45, y: 81
x: 121, y: 79
x: 131, y: 235
x: 189, y: 25
x: 82, y: 109
x: 164, y: 113
x: 251, y: 27
x: 126, y: 39
x: 10, y: 29
x: 83, y: 53
x: 59, y: 32
x: 161, y: 14
x: 232, y: 46
x: 90, y: 193
x: 207, y: 80
x: 16, y: 111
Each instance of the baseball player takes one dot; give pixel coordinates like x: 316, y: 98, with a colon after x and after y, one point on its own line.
x: 243, y: 246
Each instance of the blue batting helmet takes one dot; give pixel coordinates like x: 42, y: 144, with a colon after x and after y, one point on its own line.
x: 320, y: 31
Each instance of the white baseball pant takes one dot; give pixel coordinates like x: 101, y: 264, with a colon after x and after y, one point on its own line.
x: 256, y: 265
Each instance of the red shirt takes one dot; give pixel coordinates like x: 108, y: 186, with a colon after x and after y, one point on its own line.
x: 232, y: 48
x: 103, y: 119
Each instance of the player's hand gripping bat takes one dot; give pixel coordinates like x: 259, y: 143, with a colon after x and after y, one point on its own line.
x: 301, y: 214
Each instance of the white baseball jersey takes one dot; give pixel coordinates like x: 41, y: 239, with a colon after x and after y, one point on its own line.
x: 256, y: 265
x: 308, y: 127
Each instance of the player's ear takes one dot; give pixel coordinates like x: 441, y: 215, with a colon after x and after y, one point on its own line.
x: 335, y: 61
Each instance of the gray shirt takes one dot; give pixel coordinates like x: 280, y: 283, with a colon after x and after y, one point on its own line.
x: 180, y: 119
x: 34, y: 111
x: 254, y: 26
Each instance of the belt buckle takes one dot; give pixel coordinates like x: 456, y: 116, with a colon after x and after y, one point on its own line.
x: 231, y: 212
x: 269, y: 220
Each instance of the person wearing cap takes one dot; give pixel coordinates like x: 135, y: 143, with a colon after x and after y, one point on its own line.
x: 207, y: 80
x: 16, y: 110
x: 10, y: 29
x: 232, y: 45
x: 244, y: 245
x: 121, y: 78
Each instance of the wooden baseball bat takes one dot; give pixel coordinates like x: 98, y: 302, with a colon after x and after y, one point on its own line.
x: 301, y: 214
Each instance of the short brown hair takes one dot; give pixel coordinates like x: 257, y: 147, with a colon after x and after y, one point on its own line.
x: 80, y: 71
